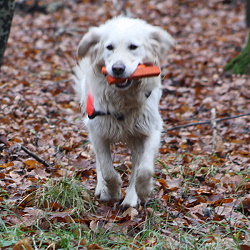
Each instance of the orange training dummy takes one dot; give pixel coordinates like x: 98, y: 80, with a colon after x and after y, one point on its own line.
x: 142, y: 71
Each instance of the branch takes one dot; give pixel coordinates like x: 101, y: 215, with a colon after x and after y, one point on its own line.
x: 36, y: 157
x: 205, y: 122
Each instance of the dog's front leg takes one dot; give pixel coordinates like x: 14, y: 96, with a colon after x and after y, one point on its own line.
x: 108, y: 180
x: 141, y: 180
x: 144, y: 177
x: 131, y: 198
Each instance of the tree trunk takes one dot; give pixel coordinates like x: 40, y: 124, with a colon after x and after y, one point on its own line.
x: 6, y: 13
x: 241, y: 63
x: 248, y: 13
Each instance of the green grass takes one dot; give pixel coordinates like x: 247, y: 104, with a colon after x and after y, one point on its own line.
x: 155, y: 232
x: 160, y: 226
x: 67, y: 192
x: 9, y: 235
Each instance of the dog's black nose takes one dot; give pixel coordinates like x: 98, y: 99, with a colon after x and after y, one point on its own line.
x: 118, y: 68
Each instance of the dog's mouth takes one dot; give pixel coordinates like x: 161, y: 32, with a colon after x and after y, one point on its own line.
x: 124, y: 85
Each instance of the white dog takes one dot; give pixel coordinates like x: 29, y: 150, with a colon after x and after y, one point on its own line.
x: 125, y: 112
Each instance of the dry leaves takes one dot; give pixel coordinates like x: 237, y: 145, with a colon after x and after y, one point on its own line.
x: 194, y: 186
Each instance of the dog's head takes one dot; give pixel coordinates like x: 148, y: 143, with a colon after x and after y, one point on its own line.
x: 122, y: 43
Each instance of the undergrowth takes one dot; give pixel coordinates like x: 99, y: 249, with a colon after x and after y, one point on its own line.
x: 155, y: 232
x: 67, y: 192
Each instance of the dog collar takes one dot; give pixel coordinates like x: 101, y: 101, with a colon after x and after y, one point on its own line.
x: 92, y: 113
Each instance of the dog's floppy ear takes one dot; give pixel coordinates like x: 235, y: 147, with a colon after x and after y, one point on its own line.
x: 161, y: 41
x: 88, y: 42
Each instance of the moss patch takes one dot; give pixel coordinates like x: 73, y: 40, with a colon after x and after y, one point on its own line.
x: 241, y: 63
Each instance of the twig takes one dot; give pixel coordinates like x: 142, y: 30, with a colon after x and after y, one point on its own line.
x: 214, y: 128
x: 205, y: 122
x: 36, y: 157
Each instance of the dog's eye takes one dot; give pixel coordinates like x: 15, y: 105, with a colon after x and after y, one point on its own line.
x: 110, y: 47
x: 132, y: 47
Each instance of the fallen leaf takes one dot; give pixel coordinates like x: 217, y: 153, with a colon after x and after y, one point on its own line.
x: 131, y: 212
x: 23, y: 244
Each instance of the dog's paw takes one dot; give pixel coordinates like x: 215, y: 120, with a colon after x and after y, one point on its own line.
x: 144, y: 186
x: 102, y: 193
x: 109, y: 192
x: 116, y: 196
x: 130, y: 200
x: 113, y: 186
x: 106, y: 196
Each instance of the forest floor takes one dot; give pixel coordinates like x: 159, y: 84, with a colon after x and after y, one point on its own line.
x: 202, y: 180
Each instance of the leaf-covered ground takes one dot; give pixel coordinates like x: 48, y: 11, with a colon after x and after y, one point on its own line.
x: 201, y: 198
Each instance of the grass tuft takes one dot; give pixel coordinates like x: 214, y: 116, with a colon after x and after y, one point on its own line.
x: 64, y: 193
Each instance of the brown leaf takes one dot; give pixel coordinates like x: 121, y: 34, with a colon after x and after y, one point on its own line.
x: 32, y: 164
x: 61, y: 217
x: 246, y: 204
x: 83, y: 242
x: 170, y: 183
x: 131, y: 212
x: 228, y: 179
x: 93, y: 246
x: 6, y: 165
x: 23, y: 244
x: 4, y: 140
x: 244, y: 247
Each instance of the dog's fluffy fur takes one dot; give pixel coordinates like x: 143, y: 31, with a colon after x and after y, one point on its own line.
x: 121, y: 44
